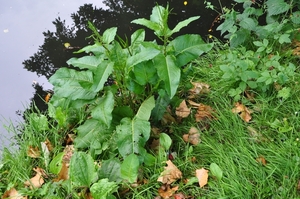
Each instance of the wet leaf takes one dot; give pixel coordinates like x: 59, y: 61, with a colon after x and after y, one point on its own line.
x: 243, y: 112
x: 165, y: 191
x: 37, y: 181
x: 202, y: 175
x: 170, y: 174
x: 33, y: 152
x: 182, y: 110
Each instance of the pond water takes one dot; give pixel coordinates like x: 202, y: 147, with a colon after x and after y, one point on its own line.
x: 22, y: 23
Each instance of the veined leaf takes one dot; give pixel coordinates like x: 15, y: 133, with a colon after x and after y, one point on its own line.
x: 137, y: 37
x: 72, y: 84
x: 189, y: 47
x: 149, y: 24
x: 111, y: 169
x: 145, y: 109
x: 276, y: 7
x: 183, y: 24
x: 130, y: 167
x: 86, y: 62
x: 144, y: 55
x: 90, y: 130
x: 96, y: 49
x: 103, y: 189
x: 82, y: 169
x: 101, y: 75
x: 132, y: 136
x: 103, y: 110
x: 145, y: 73
x: 109, y: 35
x: 169, y: 72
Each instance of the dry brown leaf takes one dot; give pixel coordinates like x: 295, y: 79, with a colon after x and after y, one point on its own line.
x: 165, y: 191
x: 193, y: 136
x: 261, y: 160
x: 37, y: 181
x: 182, y: 110
x: 48, y: 144
x: 199, y: 88
x: 33, y: 152
x: 202, y: 175
x: 243, y: 112
x: 170, y: 174
x: 167, y: 117
x: 69, y: 140
x: 68, y: 153
x: 63, y: 173
x: 179, y: 196
x: 204, y: 112
x: 13, y: 194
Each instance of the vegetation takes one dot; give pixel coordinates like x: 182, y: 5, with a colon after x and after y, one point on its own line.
x: 172, y: 118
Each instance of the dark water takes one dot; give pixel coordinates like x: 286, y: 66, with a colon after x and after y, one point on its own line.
x: 45, y: 57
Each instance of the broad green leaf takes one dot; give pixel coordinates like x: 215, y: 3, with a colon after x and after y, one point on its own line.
x: 165, y: 141
x: 111, y: 169
x: 132, y: 136
x: 169, y: 72
x: 69, y: 83
x: 145, y: 73
x: 149, y: 24
x: 103, y: 110
x: 129, y: 168
x: 103, y: 189
x: 216, y: 171
x: 144, y: 55
x: 239, y: 37
x: 296, y: 17
x: 109, y: 35
x: 96, y: 49
x: 275, y: 7
x: 101, y: 75
x: 118, y: 56
x: 90, y: 130
x: 188, y: 48
x: 56, y: 163
x: 145, y: 109
x: 183, y: 24
x: 86, y: 62
x: 248, y: 23
x: 82, y: 169
x: 120, y: 112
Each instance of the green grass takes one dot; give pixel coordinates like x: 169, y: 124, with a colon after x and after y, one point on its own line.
x: 231, y: 143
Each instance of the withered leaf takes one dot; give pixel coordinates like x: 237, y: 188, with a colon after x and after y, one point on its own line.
x: 193, y: 136
x: 37, y: 181
x: 261, y: 160
x: 33, y: 152
x: 202, y: 175
x: 165, y: 191
x: 243, y: 112
x: 199, y: 88
x: 63, y: 173
x: 204, y: 112
x: 182, y: 110
x: 13, y: 194
x: 170, y: 174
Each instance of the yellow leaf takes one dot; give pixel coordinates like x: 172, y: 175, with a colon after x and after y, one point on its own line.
x: 33, y: 152
x: 202, y: 175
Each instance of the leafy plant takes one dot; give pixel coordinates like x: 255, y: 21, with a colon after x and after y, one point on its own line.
x: 118, y: 84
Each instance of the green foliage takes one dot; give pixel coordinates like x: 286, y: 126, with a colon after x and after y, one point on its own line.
x: 257, y: 59
x: 114, y: 85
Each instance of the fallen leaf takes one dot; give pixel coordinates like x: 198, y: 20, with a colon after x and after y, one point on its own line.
x: 202, y: 175
x: 298, y: 185
x: 165, y: 191
x: 179, y: 196
x: 13, y: 194
x: 261, y: 160
x: 68, y: 153
x: 69, y: 140
x: 204, y: 112
x: 37, y: 181
x: 168, y: 118
x: 193, y: 136
x: 199, y: 88
x: 243, y: 112
x: 63, y: 173
x: 48, y: 144
x: 170, y: 174
x: 182, y: 110
x: 33, y: 152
